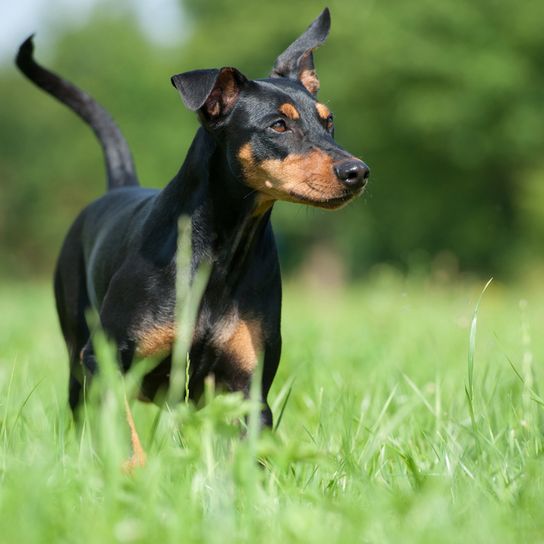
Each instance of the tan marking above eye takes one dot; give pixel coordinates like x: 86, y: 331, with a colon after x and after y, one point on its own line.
x: 157, y: 340
x: 322, y: 111
x: 289, y: 111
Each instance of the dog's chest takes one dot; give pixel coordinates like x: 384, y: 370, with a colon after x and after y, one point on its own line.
x: 235, y: 338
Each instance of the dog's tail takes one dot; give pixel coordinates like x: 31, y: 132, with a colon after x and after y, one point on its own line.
x: 119, y: 164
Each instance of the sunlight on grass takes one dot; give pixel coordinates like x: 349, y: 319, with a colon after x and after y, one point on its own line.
x: 375, y: 441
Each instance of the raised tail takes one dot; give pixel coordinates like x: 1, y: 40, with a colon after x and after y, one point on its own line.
x: 119, y: 165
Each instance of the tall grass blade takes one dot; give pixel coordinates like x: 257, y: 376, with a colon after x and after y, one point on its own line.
x: 469, y: 388
x: 283, y: 406
x: 189, y: 291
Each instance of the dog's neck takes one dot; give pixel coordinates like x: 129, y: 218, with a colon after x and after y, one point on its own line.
x: 227, y: 222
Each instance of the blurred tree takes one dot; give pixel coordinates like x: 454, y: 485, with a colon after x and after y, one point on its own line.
x: 50, y: 162
x: 444, y: 100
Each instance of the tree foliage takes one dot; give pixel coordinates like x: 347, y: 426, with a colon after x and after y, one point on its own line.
x: 444, y: 100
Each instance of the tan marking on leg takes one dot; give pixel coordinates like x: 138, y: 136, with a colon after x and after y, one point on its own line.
x: 156, y: 340
x: 138, y: 458
x: 289, y: 111
x: 322, y: 110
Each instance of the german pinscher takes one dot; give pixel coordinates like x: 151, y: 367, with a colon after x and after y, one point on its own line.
x: 259, y: 141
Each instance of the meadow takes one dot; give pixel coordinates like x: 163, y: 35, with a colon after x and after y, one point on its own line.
x: 401, y: 416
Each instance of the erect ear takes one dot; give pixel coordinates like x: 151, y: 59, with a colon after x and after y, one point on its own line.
x: 297, y: 61
x: 213, y: 92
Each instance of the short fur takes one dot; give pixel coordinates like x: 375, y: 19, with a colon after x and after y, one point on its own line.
x: 260, y: 141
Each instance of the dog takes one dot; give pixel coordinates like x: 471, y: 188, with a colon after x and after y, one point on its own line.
x: 259, y: 141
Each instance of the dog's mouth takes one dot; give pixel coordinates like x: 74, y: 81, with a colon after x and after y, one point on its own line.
x: 329, y: 203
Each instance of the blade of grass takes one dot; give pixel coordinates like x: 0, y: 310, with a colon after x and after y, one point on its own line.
x: 284, y: 405
x: 189, y: 291
x: 22, y: 406
x: 469, y: 388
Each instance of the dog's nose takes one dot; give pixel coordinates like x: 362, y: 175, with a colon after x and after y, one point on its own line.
x: 352, y: 172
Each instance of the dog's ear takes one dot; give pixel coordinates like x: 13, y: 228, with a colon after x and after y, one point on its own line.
x: 297, y: 61
x: 212, y: 92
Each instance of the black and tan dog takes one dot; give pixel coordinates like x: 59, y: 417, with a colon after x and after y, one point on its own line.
x: 260, y: 141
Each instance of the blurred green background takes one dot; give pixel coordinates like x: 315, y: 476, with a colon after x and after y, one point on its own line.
x: 443, y: 99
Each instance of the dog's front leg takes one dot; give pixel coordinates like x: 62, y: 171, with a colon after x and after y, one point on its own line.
x: 271, y: 361
x: 91, y: 366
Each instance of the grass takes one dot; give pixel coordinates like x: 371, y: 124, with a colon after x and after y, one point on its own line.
x: 400, y: 422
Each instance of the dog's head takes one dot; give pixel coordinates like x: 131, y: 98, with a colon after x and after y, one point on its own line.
x: 278, y: 138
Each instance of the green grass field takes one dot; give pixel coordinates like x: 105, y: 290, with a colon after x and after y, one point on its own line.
x: 385, y: 437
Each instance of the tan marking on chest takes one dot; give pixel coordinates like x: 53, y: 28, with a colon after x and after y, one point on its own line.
x: 289, y: 111
x: 242, y: 340
x: 157, y: 340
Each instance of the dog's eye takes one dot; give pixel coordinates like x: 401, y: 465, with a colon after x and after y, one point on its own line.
x: 279, y: 126
x: 329, y: 123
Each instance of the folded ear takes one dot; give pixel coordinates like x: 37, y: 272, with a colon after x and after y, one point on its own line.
x: 213, y: 92
x: 297, y: 61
